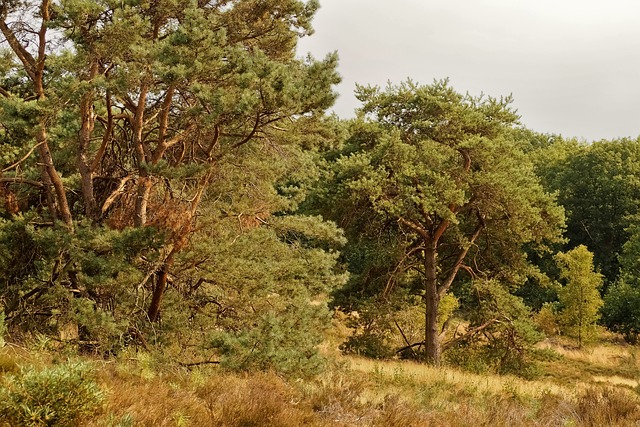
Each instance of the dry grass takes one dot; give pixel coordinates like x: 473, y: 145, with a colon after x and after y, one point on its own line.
x: 361, y: 392
x: 604, y: 354
x: 403, y: 372
x: 613, y: 364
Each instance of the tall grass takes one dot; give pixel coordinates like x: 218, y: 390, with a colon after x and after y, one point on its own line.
x: 140, y: 390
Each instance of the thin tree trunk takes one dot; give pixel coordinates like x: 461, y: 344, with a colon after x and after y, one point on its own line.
x: 48, y: 192
x: 144, y: 183
x: 34, y: 67
x: 142, y: 200
x: 84, y: 137
x: 52, y: 173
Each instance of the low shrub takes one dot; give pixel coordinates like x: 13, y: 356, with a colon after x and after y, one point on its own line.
x: 62, y: 395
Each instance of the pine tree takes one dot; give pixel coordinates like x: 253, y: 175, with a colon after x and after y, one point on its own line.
x: 128, y: 126
x: 430, y: 185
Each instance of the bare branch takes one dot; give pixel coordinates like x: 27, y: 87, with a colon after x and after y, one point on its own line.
x: 14, y: 180
x: 404, y: 337
x: 469, y: 334
x: 442, y: 289
x: 116, y: 193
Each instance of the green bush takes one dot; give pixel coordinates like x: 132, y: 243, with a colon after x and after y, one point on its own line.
x: 368, y: 344
x: 61, y: 396
x: 285, y: 342
x: 621, y: 310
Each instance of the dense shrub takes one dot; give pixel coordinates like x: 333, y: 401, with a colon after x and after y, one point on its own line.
x: 621, y: 309
x: 62, y: 395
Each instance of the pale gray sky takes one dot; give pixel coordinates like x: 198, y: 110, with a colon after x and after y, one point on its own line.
x: 573, y: 66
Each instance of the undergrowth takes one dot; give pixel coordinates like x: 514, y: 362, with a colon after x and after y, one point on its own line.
x: 139, y: 390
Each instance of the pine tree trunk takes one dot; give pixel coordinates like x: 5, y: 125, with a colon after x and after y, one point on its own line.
x: 142, y: 200
x: 431, y: 300
x: 84, y: 139
x: 159, y: 288
x: 56, y: 181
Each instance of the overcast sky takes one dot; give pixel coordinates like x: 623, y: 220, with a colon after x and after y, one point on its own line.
x: 572, y: 66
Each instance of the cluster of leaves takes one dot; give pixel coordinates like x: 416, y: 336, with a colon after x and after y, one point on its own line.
x: 88, y: 278
x: 621, y: 310
x: 168, y: 177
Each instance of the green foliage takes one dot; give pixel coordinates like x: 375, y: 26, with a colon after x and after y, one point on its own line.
x: 599, y: 209
x: 508, y: 352
x: 621, y: 309
x: 500, y: 334
x: 580, y: 296
x: 547, y: 319
x: 91, y: 278
x: 284, y: 341
x: 374, y: 330
x: 181, y: 137
x: 63, y: 395
x: 383, y: 328
x: 427, y: 167
x: 262, y: 298
x: 628, y: 258
x: 448, y: 306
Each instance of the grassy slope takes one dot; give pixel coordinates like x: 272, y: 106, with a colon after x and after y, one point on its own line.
x: 591, y: 387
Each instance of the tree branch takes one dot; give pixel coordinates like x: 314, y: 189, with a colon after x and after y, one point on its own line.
x: 404, y: 337
x: 8, y: 168
x: 407, y: 347
x: 163, y: 123
x: 469, y: 334
x: 14, y: 180
x: 248, y: 137
x: 415, y: 227
x: 205, y: 362
x: 23, y: 54
x: 442, y: 289
x: 116, y: 193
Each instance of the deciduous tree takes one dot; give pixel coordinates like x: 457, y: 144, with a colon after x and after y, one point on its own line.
x: 580, y: 296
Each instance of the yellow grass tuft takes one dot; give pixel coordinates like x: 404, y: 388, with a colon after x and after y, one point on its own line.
x: 420, y: 374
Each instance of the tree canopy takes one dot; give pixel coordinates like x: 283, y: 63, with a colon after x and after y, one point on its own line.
x: 127, y: 127
x: 433, y: 180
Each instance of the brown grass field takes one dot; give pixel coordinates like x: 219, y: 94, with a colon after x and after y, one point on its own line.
x: 594, y: 386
